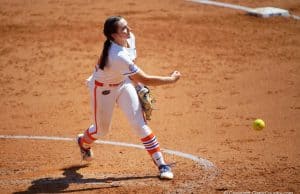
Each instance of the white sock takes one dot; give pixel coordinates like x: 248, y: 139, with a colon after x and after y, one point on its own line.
x: 158, y: 158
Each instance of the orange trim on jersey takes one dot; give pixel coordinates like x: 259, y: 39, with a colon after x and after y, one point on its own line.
x: 153, y: 151
x: 95, y: 113
x: 149, y: 137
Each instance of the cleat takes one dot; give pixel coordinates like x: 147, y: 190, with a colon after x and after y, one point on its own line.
x: 86, y: 153
x: 165, y: 172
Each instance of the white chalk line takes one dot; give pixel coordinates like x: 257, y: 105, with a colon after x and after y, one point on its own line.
x: 227, y: 5
x: 233, y: 6
x: 206, y: 164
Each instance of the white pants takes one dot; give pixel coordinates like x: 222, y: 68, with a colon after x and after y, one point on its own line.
x: 103, y: 100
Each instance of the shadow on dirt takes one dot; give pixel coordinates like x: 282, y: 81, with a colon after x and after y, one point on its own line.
x: 71, y: 176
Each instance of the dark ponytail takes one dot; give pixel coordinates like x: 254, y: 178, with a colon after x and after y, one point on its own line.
x: 110, y: 27
x: 103, y: 59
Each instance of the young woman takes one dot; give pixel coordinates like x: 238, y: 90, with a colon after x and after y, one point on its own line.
x: 113, y: 82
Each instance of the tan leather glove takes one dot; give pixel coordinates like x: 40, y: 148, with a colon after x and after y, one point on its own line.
x: 146, y: 100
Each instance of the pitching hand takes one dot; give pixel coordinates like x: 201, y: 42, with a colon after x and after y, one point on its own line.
x: 176, y: 75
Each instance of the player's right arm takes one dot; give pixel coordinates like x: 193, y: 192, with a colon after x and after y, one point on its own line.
x: 153, y: 80
x: 126, y: 67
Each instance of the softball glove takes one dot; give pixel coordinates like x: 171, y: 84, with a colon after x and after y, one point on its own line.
x: 146, y: 100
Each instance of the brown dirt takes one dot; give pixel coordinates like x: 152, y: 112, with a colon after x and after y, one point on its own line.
x: 235, y: 68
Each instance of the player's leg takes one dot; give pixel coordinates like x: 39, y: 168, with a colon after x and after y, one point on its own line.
x: 102, y: 104
x: 129, y: 103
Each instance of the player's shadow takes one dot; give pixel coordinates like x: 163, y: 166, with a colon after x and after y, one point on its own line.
x: 71, y: 176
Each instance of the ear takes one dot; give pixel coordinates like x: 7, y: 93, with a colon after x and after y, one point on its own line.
x: 114, y: 36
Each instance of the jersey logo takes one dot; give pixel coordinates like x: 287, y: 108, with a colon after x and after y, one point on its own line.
x: 106, y: 92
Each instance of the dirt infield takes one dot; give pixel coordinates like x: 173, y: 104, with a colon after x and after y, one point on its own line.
x: 235, y: 68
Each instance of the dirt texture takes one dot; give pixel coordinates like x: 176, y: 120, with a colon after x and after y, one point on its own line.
x: 235, y: 68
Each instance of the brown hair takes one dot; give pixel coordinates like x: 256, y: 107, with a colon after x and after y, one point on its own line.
x: 110, y: 27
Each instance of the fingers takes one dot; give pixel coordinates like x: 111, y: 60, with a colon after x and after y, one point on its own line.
x: 176, y: 75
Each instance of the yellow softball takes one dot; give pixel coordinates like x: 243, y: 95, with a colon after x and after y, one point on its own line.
x: 259, y: 124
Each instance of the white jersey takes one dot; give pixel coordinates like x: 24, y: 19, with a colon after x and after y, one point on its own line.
x: 132, y: 48
x: 120, y: 63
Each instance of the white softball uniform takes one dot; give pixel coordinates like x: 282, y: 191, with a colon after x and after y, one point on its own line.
x: 112, y: 86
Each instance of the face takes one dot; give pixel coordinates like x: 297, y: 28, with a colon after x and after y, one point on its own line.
x: 123, y: 31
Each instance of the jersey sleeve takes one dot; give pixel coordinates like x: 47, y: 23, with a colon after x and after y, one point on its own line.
x: 125, y: 65
x: 132, y: 47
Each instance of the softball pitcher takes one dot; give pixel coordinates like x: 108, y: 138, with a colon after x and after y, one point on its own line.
x: 113, y: 83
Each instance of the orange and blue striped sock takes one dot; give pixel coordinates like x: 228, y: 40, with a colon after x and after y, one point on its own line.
x: 152, y: 146
x: 87, y: 140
